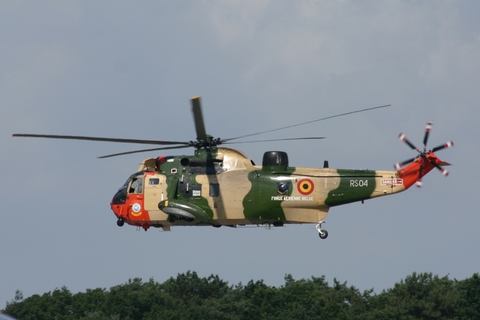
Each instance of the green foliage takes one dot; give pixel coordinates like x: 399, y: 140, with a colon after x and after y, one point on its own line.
x: 188, y: 296
x: 420, y: 296
x: 469, y: 292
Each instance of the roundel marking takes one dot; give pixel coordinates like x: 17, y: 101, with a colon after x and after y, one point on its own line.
x: 136, y: 209
x: 305, y: 186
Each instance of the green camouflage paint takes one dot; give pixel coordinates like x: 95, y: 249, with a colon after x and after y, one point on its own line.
x: 258, y: 202
x: 355, y: 185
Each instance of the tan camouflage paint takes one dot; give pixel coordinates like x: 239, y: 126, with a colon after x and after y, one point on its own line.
x: 234, y: 184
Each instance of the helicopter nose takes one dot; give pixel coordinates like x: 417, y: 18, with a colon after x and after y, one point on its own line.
x: 118, y: 203
x: 119, y: 210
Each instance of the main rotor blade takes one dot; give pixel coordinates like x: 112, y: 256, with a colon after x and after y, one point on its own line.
x: 427, y: 131
x: 447, y: 144
x: 139, y: 151
x: 198, y: 118
x: 282, y: 139
x: 304, y: 123
x: 139, y: 141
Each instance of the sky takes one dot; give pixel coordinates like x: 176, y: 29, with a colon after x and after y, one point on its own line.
x: 128, y: 69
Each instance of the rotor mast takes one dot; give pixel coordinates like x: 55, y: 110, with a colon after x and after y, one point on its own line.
x: 203, y: 139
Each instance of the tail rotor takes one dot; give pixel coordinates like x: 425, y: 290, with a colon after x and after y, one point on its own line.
x: 426, y: 159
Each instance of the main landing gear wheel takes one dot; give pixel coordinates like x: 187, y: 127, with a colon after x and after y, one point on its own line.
x: 322, y: 233
x: 120, y: 222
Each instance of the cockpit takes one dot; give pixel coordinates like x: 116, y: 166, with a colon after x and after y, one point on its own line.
x: 133, y: 185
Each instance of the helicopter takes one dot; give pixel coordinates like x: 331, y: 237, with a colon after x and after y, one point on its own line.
x: 220, y: 186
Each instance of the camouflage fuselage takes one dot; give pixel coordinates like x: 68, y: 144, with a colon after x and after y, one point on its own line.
x: 223, y: 187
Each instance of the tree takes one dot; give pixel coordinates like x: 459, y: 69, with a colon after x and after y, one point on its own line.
x: 188, y: 296
x: 469, y: 291
x: 419, y: 296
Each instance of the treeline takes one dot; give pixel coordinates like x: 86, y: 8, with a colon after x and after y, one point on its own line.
x: 188, y: 296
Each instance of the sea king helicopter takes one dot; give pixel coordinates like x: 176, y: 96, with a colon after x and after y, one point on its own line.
x: 219, y: 186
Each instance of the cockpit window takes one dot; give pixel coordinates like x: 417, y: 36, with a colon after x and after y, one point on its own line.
x: 136, y: 186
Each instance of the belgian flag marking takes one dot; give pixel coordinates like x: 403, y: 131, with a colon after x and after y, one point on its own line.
x: 305, y: 186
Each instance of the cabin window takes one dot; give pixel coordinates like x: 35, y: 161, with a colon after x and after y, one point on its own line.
x: 154, y: 181
x: 136, y: 186
x: 214, y: 189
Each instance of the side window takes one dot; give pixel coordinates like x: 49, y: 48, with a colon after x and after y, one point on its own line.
x: 136, y: 186
x: 154, y: 181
